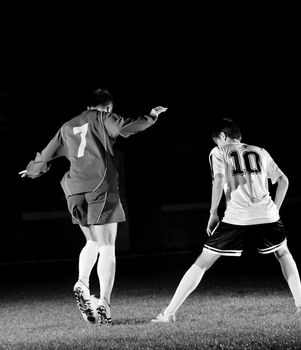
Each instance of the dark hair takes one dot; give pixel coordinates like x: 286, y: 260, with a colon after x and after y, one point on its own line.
x: 101, y: 97
x: 228, y: 126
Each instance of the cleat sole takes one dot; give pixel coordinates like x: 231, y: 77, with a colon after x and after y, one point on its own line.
x: 84, y: 308
x: 102, y: 317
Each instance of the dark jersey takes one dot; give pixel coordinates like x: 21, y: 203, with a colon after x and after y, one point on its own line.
x: 87, y: 141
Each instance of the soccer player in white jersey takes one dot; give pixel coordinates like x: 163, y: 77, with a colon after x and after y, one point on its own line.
x: 242, y: 172
x: 91, y: 190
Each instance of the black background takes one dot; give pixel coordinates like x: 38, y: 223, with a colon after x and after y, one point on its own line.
x: 146, y: 62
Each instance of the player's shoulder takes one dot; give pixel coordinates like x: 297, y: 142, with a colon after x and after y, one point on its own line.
x: 110, y: 116
x: 254, y: 148
x: 80, y: 119
x: 215, y: 151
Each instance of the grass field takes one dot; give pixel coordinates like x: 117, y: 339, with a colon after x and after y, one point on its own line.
x: 237, y: 306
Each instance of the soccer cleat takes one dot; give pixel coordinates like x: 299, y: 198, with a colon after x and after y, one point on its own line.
x: 104, y: 312
x: 85, y: 303
x: 161, y: 318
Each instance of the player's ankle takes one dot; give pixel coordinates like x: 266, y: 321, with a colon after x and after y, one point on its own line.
x: 168, y: 312
x: 85, y: 281
x: 106, y: 299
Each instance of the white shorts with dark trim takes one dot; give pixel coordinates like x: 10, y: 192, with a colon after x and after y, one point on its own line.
x: 230, y: 240
x: 95, y: 208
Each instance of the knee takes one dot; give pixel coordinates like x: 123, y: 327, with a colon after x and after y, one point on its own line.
x: 105, y: 235
x: 206, y: 260
x: 203, y: 264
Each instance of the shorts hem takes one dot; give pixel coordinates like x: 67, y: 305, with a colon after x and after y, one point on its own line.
x: 223, y: 252
x: 271, y: 249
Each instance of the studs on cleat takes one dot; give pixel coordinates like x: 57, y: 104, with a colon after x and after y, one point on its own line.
x: 84, y: 306
x: 102, y: 316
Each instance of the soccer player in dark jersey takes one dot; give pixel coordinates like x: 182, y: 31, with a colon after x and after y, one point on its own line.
x: 91, y: 190
x: 242, y: 172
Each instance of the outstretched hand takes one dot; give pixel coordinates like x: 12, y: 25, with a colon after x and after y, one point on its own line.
x: 157, y: 110
x: 23, y: 173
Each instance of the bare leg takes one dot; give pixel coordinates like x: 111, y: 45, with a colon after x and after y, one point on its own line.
x: 190, y: 281
x: 290, y: 272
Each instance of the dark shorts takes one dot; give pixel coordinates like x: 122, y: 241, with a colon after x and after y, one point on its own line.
x: 230, y: 240
x: 95, y: 208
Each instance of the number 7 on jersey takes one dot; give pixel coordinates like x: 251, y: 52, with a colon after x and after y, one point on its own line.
x: 82, y: 130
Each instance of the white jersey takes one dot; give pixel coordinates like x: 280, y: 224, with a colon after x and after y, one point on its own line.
x: 247, y: 170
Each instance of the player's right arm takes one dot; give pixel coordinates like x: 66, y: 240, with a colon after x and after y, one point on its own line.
x: 216, y: 195
x: 217, y: 166
x: 41, y: 163
x: 276, y: 176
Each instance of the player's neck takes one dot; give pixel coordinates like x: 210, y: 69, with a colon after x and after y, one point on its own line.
x: 233, y: 141
x: 100, y: 109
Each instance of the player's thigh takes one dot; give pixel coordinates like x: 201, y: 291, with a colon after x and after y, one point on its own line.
x: 104, y: 208
x: 88, y: 233
x: 227, y: 240
x: 104, y: 234
x: 78, y: 208
x: 271, y: 237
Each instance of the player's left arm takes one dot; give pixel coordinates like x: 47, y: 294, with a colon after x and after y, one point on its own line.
x: 282, y: 187
x: 41, y: 164
x: 117, y: 125
x: 276, y: 176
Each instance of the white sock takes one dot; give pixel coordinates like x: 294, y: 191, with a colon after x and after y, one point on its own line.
x: 189, y: 282
x: 87, y: 259
x: 106, y: 271
x: 291, y: 274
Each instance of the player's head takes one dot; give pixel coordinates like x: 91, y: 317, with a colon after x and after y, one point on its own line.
x: 225, y: 130
x: 102, y: 99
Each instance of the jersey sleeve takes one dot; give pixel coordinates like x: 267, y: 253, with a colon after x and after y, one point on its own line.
x: 41, y: 164
x: 217, y: 163
x: 273, y: 171
x: 117, y: 125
